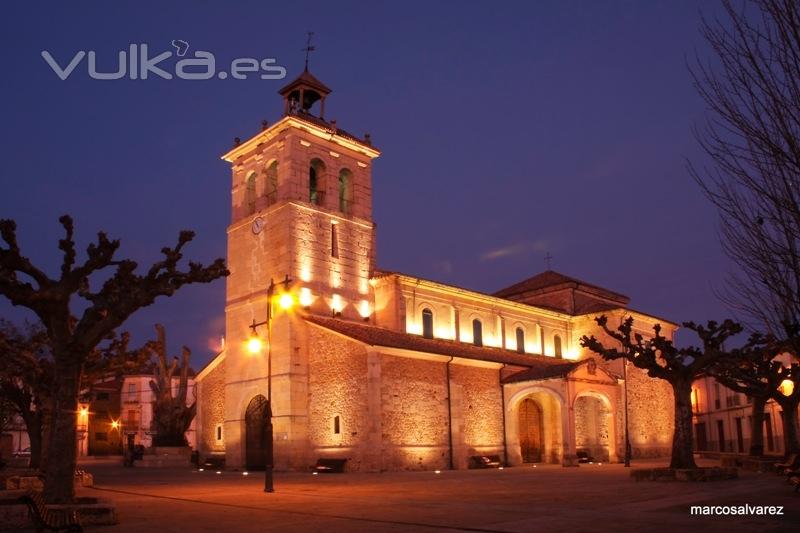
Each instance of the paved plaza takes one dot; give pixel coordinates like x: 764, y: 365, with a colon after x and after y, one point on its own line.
x: 545, y: 498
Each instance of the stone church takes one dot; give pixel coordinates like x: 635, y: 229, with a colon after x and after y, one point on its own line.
x: 386, y: 369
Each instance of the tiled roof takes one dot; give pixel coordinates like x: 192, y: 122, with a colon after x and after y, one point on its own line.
x: 551, y: 279
x: 558, y: 370
x: 377, y: 336
x: 308, y: 79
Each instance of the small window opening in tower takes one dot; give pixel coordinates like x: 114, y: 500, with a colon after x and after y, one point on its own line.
x: 250, y: 193
x: 271, y: 189
x: 345, y: 191
x: 336, y: 425
x: 334, y: 240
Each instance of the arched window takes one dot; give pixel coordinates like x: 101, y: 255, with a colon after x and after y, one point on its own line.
x: 520, y: 340
x: 477, y: 332
x: 345, y: 191
x: 250, y: 193
x: 557, y: 346
x: 271, y: 189
x: 427, y: 323
x: 316, y: 187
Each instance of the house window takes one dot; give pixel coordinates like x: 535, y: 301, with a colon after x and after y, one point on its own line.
x: 131, y: 392
x: 219, y: 432
x: 315, y: 184
x: 427, y: 323
x: 345, y: 191
x: 717, y: 399
x: 271, y: 189
x: 557, y: 346
x: 520, y: 340
x: 250, y: 193
x: 334, y: 241
x: 336, y: 426
x: 477, y: 332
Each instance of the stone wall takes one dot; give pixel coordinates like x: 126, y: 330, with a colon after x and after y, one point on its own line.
x: 651, y: 414
x: 337, y: 387
x: 477, y: 410
x: 211, y: 403
x: 414, y: 409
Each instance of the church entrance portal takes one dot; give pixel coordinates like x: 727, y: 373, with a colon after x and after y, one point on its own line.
x: 530, y: 431
x: 256, y: 433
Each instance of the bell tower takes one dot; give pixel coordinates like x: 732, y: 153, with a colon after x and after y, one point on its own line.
x: 301, y: 207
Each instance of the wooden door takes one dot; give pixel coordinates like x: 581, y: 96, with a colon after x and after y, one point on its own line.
x: 530, y: 431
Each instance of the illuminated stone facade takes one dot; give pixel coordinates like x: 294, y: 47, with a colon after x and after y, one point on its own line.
x: 388, y: 370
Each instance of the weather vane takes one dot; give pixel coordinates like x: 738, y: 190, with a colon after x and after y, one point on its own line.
x: 308, y: 49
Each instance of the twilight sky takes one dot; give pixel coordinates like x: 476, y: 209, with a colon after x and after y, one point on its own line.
x: 508, y: 130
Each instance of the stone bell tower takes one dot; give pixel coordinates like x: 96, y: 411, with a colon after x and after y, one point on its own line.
x: 301, y: 209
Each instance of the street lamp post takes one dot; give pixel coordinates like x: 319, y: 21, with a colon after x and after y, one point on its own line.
x: 254, y: 345
x: 627, y: 435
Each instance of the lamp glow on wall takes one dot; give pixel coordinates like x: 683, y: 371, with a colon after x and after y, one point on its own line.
x: 787, y: 387
x: 306, y: 298
x: 364, y: 309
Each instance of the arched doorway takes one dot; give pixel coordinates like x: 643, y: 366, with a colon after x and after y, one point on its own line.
x: 255, y: 421
x: 593, y: 427
x: 530, y: 431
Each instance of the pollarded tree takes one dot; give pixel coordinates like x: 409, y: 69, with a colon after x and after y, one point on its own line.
x: 172, y: 416
x: 754, y: 371
x: 121, y: 292
x: 26, y: 377
x: 26, y: 381
x: 678, y: 366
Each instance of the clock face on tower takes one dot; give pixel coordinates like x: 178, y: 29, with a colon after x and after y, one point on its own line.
x: 258, y: 225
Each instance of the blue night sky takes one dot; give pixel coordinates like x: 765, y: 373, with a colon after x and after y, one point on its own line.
x: 508, y: 130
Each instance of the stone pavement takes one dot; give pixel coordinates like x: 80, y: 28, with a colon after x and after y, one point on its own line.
x: 545, y: 498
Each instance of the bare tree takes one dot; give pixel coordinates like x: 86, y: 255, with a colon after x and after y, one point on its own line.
x: 752, y: 137
x: 754, y: 371
x: 678, y: 366
x: 26, y: 377
x: 172, y: 416
x: 26, y: 381
x: 121, y: 292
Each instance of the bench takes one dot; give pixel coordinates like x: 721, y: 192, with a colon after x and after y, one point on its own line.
x: 485, y: 461
x: 791, y: 463
x: 584, y: 457
x: 329, y: 466
x: 51, y: 519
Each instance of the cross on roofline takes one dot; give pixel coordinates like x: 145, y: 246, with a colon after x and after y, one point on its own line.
x: 548, y: 259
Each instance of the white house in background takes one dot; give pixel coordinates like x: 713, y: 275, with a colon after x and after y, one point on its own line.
x: 14, y: 438
x: 136, y: 408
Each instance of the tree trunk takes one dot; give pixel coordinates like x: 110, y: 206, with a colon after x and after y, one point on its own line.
x: 791, y: 432
x: 682, y: 445
x: 757, y: 429
x: 46, y: 422
x: 34, y: 426
x: 59, y: 479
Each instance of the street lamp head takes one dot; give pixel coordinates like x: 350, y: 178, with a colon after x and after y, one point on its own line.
x: 115, y: 424
x: 286, y: 301
x: 84, y: 411
x: 787, y: 387
x: 254, y: 344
